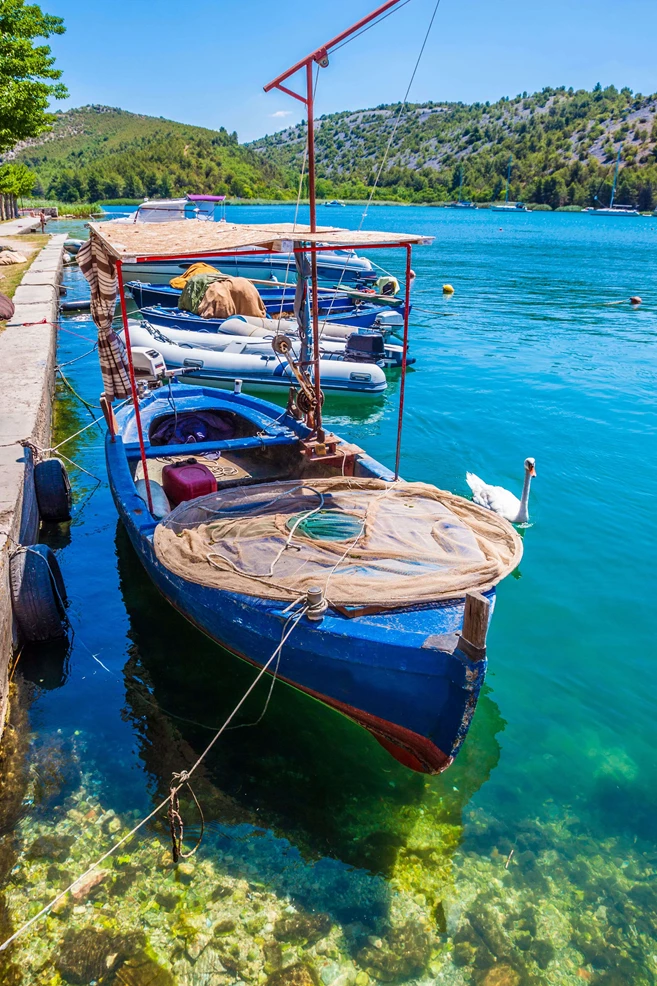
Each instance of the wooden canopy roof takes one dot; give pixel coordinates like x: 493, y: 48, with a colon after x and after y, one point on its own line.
x: 131, y: 242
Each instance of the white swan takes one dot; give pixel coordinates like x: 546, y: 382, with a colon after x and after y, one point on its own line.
x: 502, y: 501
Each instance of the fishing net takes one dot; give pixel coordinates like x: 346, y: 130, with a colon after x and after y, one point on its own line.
x: 363, y: 541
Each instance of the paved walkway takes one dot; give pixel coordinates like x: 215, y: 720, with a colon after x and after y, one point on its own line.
x: 26, y: 224
x: 27, y: 359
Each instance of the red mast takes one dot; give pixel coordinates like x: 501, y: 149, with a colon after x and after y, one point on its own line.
x: 320, y: 58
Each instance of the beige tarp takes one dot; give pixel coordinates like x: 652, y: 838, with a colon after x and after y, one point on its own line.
x: 406, y: 542
x: 231, y: 296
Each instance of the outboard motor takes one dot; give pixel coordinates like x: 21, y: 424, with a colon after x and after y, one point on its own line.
x: 365, y: 347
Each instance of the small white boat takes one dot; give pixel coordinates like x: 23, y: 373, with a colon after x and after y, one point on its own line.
x: 518, y: 207
x: 461, y: 203
x: 335, y: 202
x: 509, y: 206
x: 264, y: 371
x: 614, y: 210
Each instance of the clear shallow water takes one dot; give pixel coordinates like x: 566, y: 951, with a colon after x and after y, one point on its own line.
x: 559, y: 766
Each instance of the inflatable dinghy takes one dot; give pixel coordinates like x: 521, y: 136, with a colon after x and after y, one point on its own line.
x: 267, y: 371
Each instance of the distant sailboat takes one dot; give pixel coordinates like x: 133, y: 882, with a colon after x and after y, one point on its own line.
x: 461, y: 204
x: 509, y: 207
x: 614, y: 210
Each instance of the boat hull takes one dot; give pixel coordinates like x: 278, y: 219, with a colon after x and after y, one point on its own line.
x: 614, y: 213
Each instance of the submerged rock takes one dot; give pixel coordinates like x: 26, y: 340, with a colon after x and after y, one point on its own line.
x: 403, y: 952
x: 55, y: 847
x: 89, y: 954
x: 294, y: 975
x: 86, y: 884
x: 140, y: 970
x: 302, y: 927
x: 502, y: 975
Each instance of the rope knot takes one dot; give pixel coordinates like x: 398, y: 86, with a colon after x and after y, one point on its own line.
x: 176, y: 825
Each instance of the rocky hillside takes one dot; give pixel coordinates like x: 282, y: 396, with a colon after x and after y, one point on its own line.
x: 564, y: 143
x: 98, y: 152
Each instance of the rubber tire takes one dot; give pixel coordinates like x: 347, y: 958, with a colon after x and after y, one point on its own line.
x: 38, y: 594
x: 53, y: 490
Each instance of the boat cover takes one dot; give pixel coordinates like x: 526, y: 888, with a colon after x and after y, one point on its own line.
x: 365, y: 542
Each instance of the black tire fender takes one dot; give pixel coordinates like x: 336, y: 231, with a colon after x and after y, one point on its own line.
x: 38, y: 594
x: 53, y: 490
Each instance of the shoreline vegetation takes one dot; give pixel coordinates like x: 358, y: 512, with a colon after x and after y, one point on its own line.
x: 88, y: 210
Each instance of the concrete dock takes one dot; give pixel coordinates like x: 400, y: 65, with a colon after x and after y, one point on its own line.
x: 26, y: 224
x: 27, y: 362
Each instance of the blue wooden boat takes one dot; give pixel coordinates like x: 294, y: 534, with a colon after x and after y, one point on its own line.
x: 339, y: 307
x: 401, y: 671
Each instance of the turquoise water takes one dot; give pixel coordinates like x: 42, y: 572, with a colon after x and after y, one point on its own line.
x: 532, y: 859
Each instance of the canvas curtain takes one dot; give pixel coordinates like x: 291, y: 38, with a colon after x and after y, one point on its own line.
x: 100, y: 270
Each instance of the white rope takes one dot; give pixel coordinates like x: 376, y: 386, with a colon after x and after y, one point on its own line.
x: 401, y: 109
x: 183, y: 778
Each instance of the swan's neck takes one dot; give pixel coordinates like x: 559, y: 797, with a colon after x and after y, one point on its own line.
x: 523, y: 513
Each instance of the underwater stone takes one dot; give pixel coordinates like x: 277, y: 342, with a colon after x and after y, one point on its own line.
x: 225, y: 927
x: 502, y: 975
x: 208, y: 966
x: 141, y: 970
x: 302, y: 927
x: 464, y: 953
x: 185, y: 872
x: 87, y: 883
x: 167, y: 900
x: 543, y: 953
x: 55, y: 847
x: 89, y: 954
x: 295, y: 975
x: 404, y: 952
x: 329, y: 973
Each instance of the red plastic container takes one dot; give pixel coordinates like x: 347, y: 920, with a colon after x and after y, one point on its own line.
x: 187, y: 480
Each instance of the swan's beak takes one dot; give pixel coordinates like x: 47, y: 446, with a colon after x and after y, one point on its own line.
x: 532, y: 470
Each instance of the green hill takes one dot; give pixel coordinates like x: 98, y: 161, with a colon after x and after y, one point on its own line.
x: 97, y: 152
x: 563, y: 142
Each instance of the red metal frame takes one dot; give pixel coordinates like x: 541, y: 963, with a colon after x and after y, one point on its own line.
x: 402, y: 384
x: 320, y: 55
x: 320, y: 58
x: 133, y: 383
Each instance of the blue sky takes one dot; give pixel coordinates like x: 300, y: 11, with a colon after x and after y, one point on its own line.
x: 205, y: 62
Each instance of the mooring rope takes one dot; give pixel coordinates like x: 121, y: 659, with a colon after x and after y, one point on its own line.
x: 181, y: 779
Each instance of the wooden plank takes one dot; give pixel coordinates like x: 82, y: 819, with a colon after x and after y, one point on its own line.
x: 475, y: 626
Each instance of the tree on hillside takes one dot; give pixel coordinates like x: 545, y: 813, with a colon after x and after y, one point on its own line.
x: 28, y: 79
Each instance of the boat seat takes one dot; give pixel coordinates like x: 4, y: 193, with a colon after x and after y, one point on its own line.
x: 196, y: 448
x: 230, y: 469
